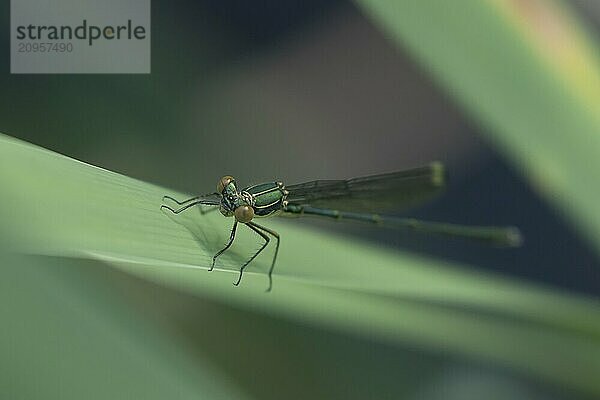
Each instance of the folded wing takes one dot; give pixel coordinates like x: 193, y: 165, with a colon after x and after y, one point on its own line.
x: 394, y: 191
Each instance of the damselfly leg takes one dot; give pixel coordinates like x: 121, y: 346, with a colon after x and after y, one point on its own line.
x: 276, y: 236
x: 228, y: 245
x: 174, y: 200
x: 260, y: 230
x: 189, y: 203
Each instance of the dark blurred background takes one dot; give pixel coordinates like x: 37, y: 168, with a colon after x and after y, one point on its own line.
x: 295, y: 91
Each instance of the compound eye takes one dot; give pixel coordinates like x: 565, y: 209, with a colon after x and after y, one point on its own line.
x: 223, y: 182
x: 244, y: 214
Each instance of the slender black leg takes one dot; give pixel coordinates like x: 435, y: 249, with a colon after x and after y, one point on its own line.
x: 180, y: 202
x: 276, y: 235
x: 192, y: 204
x: 202, y: 211
x: 265, y: 237
x: 231, y: 237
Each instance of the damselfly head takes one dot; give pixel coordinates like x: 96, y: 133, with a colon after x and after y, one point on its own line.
x: 230, y: 199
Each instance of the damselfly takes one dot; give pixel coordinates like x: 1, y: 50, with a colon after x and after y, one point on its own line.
x: 356, y: 199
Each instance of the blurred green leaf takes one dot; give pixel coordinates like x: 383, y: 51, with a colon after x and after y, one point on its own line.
x: 54, y: 205
x: 65, y: 336
x: 526, y: 71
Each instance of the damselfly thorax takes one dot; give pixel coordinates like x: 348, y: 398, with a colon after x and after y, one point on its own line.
x: 263, y: 200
